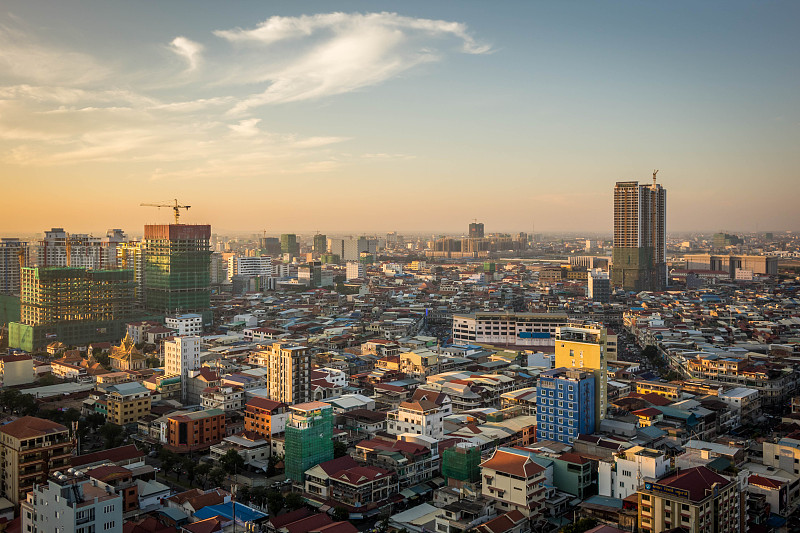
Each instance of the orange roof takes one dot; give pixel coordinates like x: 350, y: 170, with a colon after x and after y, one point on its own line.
x: 512, y: 463
x: 30, y: 426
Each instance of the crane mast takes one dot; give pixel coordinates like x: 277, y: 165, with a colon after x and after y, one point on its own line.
x: 175, y: 207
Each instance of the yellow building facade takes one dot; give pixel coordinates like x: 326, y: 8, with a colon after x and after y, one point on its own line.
x: 584, y: 348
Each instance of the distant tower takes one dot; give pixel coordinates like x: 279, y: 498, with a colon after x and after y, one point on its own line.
x: 476, y: 230
x: 640, y: 221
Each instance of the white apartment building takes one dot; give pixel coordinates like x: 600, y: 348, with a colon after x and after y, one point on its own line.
x: 186, y: 324
x: 421, y: 417
x: 226, y: 398
x: 514, y: 329
x: 512, y: 480
x: 249, y: 266
x: 181, y: 356
x: 70, y: 505
x: 85, y: 251
x: 622, y: 476
x: 356, y: 270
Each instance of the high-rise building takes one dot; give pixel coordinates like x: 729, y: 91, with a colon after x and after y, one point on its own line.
x: 640, y: 244
x: 289, y: 372
x: 310, y: 274
x: 130, y: 255
x: 270, y: 246
x: 249, y: 266
x: 565, y: 404
x: 320, y: 244
x: 182, y: 356
x: 289, y: 244
x: 13, y: 253
x: 177, y: 269
x: 59, y: 248
x: 355, y: 270
x: 308, y: 440
x: 70, y: 504
x: 599, y: 286
x: 585, y: 348
x: 721, y: 241
x: 476, y: 230
x: 72, y: 305
x: 31, y: 448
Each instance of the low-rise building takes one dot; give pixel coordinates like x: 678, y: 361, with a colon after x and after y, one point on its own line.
x: 195, y: 431
x: 16, y: 369
x: 513, y: 481
x: 127, y: 403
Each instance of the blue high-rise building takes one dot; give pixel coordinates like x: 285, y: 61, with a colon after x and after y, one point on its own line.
x: 565, y: 404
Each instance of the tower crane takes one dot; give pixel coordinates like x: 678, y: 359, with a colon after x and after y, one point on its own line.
x: 654, y: 176
x: 175, y: 207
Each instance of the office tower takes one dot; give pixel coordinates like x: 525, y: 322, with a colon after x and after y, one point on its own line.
x: 69, y: 503
x: 308, y: 440
x: 270, y: 246
x: 181, y: 356
x: 584, y: 348
x: 289, y: 372
x: 130, y: 255
x: 289, y: 244
x: 72, y: 305
x: 565, y: 404
x: 177, y: 269
x: 696, y: 500
x: 320, y: 244
x: 31, y: 448
x: 640, y: 219
x: 599, y: 286
x: 310, y: 274
x: 721, y: 241
x: 13, y: 255
x: 356, y: 270
x: 476, y: 230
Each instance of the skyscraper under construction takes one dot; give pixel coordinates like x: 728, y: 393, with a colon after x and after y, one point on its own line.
x: 177, y: 269
x: 640, y: 222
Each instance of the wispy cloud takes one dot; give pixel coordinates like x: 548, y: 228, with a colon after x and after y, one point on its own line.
x: 60, y: 107
x: 189, y: 50
x: 337, y: 53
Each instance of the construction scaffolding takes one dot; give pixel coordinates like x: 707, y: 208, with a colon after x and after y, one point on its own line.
x: 177, y: 268
x: 462, y: 462
x: 308, y: 439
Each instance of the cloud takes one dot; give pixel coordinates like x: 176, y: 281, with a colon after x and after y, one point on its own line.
x: 336, y: 53
x: 188, y: 49
x: 61, y: 108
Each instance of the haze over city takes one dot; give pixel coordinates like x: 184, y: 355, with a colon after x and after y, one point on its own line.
x: 414, y: 116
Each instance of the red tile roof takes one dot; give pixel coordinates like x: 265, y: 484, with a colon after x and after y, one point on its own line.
x: 308, y: 524
x: 337, y: 465
x: 361, y: 474
x: 209, y: 525
x: 114, y: 455
x: 264, y: 403
x: 109, y: 473
x: 696, y: 480
x: 292, y: 516
x: 28, y: 427
x: 765, y: 482
x: 336, y: 527
x: 512, y: 463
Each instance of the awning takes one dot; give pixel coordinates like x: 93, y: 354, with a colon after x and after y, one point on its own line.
x: 421, y: 489
x: 356, y: 516
x: 325, y: 508
x: 408, y: 493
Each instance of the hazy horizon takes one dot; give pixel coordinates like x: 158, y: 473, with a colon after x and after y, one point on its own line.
x: 410, y: 115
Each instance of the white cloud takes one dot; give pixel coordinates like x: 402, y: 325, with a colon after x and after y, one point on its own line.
x: 336, y: 53
x: 189, y: 50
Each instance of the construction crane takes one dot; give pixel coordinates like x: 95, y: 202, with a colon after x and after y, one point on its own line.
x: 177, y: 208
x: 654, y: 176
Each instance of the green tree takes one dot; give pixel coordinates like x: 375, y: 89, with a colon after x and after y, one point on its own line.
x: 104, y: 361
x: 271, y: 462
x: 10, y: 399
x: 27, y: 406
x: 47, y: 380
x: 153, y: 362
x: 243, y: 494
x: 202, y: 470
x: 293, y: 501
x: 190, y: 466
x: 112, y: 434
x: 216, y: 476
x: 232, y: 461
x: 339, y: 449
x: 274, y: 502
x: 341, y: 514
x: 95, y: 420
x: 258, y: 496
x: 582, y: 525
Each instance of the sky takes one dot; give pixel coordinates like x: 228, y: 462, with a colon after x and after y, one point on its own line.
x: 413, y: 116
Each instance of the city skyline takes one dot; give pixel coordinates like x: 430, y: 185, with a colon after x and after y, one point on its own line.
x: 297, y: 117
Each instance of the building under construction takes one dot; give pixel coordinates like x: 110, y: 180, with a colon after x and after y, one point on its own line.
x: 177, y: 269
x: 309, y: 431
x: 461, y: 463
x: 72, y: 305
